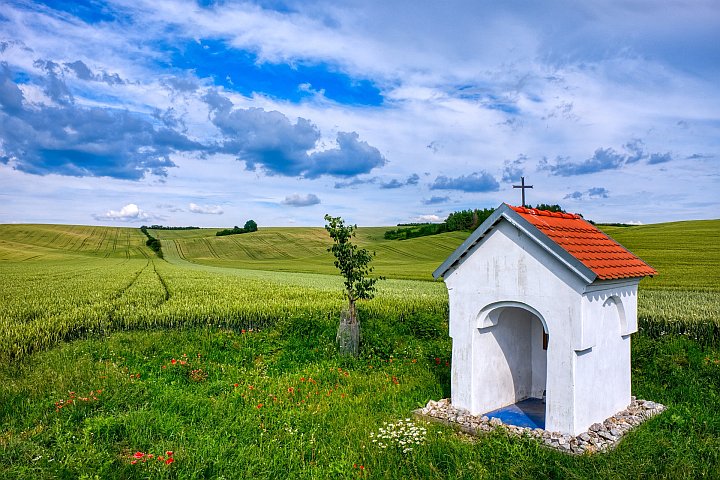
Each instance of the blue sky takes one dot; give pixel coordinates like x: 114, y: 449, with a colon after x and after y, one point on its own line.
x: 210, y: 113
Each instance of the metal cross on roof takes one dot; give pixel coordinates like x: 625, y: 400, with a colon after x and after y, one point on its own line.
x: 522, y: 186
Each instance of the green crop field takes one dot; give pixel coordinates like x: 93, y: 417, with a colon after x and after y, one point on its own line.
x: 687, y: 254
x: 225, y: 356
x: 48, y: 242
x: 305, y: 250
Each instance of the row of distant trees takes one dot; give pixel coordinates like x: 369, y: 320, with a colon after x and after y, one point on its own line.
x: 250, y: 226
x: 163, y: 227
x: 152, y: 242
x: 456, y: 221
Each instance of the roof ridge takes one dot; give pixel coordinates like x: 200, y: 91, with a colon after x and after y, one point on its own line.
x: 545, y: 213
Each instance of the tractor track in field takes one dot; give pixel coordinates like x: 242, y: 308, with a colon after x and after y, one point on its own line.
x: 122, y: 291
x: 162, y: 282
x: 210, y: 248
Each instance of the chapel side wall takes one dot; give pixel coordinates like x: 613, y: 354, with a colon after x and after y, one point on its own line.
x: 603, y: 366
x: 513, y: 268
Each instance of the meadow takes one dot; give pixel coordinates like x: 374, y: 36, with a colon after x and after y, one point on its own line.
x: 110, y: 355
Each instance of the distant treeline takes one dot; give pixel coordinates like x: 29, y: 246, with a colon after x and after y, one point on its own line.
x: 250, y: 226
x: 162, y: 227
x: 152, y: 242
x: 416, y: 230
x: 613, y: 224
x: 456, y: 221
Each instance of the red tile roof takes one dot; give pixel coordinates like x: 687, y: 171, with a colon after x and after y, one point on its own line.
x: 600, y: 253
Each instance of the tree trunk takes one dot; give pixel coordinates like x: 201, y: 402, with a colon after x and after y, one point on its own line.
x: 348, y: 333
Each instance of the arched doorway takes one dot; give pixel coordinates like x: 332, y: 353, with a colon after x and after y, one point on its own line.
x: 515, y: 335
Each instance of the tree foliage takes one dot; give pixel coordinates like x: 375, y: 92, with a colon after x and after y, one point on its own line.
x: 353, y: 263
x: 467, y: 219
x: 552, y: 208
x: 152, y: 242
x: 414, y: 231
x: 463, y: 220
x: 165, y: 227
x: 250, y: 226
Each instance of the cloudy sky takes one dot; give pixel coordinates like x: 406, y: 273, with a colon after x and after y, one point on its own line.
x: 210, y: 113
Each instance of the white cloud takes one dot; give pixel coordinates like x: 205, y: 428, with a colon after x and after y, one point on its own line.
x: 128, y: 213
x: 206, y: 209
x: 297, y: 200
x: 428, y: 219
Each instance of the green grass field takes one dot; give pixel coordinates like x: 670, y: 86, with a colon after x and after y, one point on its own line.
x: 687, y: 254
x: 92, y: 322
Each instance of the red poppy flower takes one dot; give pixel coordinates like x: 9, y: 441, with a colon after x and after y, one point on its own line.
x: 169, y: 461
x: 169, y: 453
x: 173, y: 361
x: 139, y: 455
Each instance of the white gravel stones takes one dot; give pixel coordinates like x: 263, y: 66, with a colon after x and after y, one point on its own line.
x: 600, y: 437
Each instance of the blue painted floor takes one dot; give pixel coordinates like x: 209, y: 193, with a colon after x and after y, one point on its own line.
x: 527, y: 413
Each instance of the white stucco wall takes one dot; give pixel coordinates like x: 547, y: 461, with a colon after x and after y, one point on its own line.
x: 502, y: 294
x: 602, y: 369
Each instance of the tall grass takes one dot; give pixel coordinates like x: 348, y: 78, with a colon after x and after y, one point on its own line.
x: 73, y: 299
x: 280, y: 403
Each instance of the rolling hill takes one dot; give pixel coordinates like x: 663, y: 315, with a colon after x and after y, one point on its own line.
x: 687, y: 254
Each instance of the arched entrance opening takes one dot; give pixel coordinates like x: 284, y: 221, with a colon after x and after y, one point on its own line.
x: 518, y: 335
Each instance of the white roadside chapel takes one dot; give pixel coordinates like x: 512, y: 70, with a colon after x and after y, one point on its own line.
x: 542, y: 305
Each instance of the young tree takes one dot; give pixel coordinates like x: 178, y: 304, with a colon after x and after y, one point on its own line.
x: 354, y: 265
